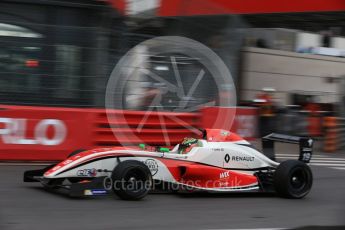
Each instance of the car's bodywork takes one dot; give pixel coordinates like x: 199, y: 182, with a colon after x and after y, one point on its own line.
x: 221, y: 162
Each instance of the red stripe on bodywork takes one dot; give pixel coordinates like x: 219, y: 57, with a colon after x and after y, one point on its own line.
x: 66, y: 162
x: 205, y: 176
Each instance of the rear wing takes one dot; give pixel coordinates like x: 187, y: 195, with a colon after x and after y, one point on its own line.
x: 305, y: 145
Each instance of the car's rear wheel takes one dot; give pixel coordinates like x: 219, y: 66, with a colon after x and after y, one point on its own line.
x: 293, y: 179
x: 132, y: 180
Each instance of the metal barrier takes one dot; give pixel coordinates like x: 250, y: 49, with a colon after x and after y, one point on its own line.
x: 299, y: 122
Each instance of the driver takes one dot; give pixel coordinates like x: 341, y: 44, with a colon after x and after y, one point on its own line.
x: 187, y: 144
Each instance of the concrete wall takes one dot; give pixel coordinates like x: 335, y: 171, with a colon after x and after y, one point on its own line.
x: 290, y: 72
x: 305, y: 40
x: 275, y: 38
x: 338, y: 42
x: 141, y: 8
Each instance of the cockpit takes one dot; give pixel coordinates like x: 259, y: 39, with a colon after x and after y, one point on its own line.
x: 208, y: 135
x: 187, y: 145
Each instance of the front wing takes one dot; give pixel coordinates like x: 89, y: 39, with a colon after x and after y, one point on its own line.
x: 80, y: 188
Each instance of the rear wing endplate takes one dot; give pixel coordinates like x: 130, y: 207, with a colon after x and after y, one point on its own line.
x: 305, y: 145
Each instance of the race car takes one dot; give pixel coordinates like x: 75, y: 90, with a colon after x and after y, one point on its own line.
x: 220, y: 161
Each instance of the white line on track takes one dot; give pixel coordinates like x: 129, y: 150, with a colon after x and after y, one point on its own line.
x: 296, y: 155
x: 327, y: 161
x: 319, y: 160
x: 315, y: 158
x: 339, y: 168
x: 248, y: 229
x: 328, y: 158
x: 321, y: 164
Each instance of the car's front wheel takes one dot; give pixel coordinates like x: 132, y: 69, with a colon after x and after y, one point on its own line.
x: 132, y: 180
x: 293, y: 179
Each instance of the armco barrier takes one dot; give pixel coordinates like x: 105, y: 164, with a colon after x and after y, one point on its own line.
x: 45, y: 133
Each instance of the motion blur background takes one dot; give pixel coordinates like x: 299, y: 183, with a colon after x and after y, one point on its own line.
x: 286, y: 60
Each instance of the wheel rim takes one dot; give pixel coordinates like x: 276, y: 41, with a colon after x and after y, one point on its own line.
x: 299, y: 179
x: 135, y: 180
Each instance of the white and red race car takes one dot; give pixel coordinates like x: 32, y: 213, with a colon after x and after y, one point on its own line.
x: 221, y: 161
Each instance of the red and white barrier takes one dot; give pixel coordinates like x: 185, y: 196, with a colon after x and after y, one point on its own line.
x: 46, y: 133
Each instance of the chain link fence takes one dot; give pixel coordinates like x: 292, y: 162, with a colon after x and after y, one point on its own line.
x: 59, y: 53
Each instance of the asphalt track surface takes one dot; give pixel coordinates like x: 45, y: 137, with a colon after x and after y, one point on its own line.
x: 27, y: 206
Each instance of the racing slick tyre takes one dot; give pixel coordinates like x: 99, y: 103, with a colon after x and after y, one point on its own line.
x: 132, y: 180
x: 75, y: 152
x: 293, y: 179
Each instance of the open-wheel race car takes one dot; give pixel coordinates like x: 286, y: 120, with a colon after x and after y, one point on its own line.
x: 220, y: 161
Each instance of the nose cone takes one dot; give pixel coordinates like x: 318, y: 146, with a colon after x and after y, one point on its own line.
x: 82, y: 157
x: 59, y: 167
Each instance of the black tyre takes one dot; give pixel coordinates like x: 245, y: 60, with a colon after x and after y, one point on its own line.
x: 293, y: 179
x: 132, y: 180
x: 75, y: 152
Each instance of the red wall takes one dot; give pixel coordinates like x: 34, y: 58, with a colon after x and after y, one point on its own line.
x: 44, y: 133
x: 119, y: 5
x: 211, y: 7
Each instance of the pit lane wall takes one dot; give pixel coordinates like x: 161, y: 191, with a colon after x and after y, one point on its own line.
x: 50, y: 133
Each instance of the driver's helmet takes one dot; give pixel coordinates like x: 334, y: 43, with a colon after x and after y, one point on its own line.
x: 187, y: 144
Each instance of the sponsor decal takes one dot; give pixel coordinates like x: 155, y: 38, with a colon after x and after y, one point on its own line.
x: 227, y: 158
x: 95, y: 192
x: 66, y: 162
x: 87, y: 172
x: 99, y: 192
x: 152, y: 165
x: 218, y: 149
x: 242, y: 158
x: 87, y: 192
x: 223, y: 175
x: 181, y: 157
x: 306, y: 156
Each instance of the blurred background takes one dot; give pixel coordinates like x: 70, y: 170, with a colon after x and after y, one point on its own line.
x: 286, y: 60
